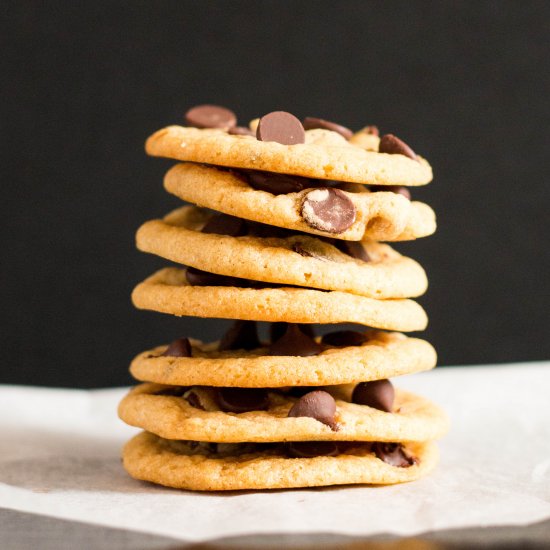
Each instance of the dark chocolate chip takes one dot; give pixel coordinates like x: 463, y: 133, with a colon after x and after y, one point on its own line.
x: 194, y: 400
x: 178, y: 348
x: 378, y: 394
x: 328, y: 210
x: 308, y: 251
x: 295, y: 343
x: 276, y: 330
x: 394, y: 146
x: 399, y: 189
x: 241, y: 335
x: 344, y: 338
x: 281, y: 127
x: 240, y: 131
x: 317, y: 404
x: 311, y: 449
x: 241, y: 400
x: 277, y: 184
x: 196, y: 277
x: 310, y: 123
x: 224, y: 224
x: 176, y: 391
x: 210, y: 116
x: 371, y: 130
x: 354, y: 249
x: 393, y: 454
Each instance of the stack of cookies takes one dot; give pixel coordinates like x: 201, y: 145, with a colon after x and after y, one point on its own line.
x: 284, y: 227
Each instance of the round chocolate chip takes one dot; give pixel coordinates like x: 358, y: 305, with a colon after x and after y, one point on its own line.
x: 329, y: 210
x: 277, y: 184
x: 394, y: 146
x: 393, y: 454
x: 295, y: 343
x: 317, y: 404
x: 378, y: 394
x: 281, y: 127
x: 399, y: 189
x: 344, y: 338
x: 276, y: 330
x: 241, y: 400
x: 210, y: 116
x: 354, y: 249
x: 310, y: 123
x: 242, y: 335
x: 178, y: 348
x: 240, y: 131
x: 311, y: 449
x: 224, y: 224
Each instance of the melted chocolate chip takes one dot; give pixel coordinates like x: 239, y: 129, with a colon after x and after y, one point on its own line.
x: 178, y: 348
x: 354, y: 249
x: 399, y: 189
x: 393, y: 454
x: 239, y: 400
x: 281, y: 127
x: 277, y: 184
x: 378, y: 394
x: 308, y: 252
x: 194, y: 400
x: 241, y: 335
x: 344, y: 338
x: 223, y: 224
x: 276, y: 330
x: 295, y: 343
x: 328, y: 210
x: 317, y: 404
x: 240, y: 131
x: 394, y: 146
x: 210, y: 116
x: 310, y: 123
x: 310, y: 449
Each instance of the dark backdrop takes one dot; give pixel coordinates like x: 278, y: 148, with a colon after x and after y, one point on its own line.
x: 83, y: 84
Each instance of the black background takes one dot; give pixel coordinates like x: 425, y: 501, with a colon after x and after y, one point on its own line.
x: 465, y: 83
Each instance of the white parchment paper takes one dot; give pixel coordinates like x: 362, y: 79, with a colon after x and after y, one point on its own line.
x: 59, y: 456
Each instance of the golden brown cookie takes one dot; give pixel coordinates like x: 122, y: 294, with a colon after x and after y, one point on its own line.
x: 413, y: 418
x: 299, y: 259
x: 186, y: 465
x: 381, y: 216
x: 324, y: 155
x: 168, y: 291
x: 382, y: 355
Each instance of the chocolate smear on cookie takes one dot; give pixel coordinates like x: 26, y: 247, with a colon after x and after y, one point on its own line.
x: 378, y: 394
x: 295, y: 343
x: 178, y: 348
x: 394, y: 146
x: 281, y: 127
x: 311, y: 449
x: 311, y: 123
x: 210, y: 116
x: 393, y: 454
x: 344, y: 338
x: 317, y: 404
x: 239, y: 400
x: 241, y: 335
x: 224, y: 224
x: 329, y: 210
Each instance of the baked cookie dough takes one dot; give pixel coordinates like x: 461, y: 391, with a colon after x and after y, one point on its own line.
x: 413, y: 418
x: 168, y: 291
x: 324, y: 155
x: 381, y: 216
x: 188, y: 465
x: 382, y: 355
x: 299, y: 259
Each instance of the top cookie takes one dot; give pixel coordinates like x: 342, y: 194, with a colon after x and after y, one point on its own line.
x: 324, y: 155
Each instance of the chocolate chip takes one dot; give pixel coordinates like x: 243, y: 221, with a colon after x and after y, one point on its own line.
x: 328, y: 210
x: 210, y: 116
x: 196, y: 277
x: 276, y: 330
x: 310, y: 123
x: 224, y: 224
x: 354, y: 249
x: 281, y: 127
x: 371, y: 130
x: 295, y: 343
x: 317, y: 404
x: 178, y: 348
x: 311, y: 449
x: 277, y: 184
x: 378, y: 394
x: 240, y: 131
x: 241, y: 400
x: 394, y: 146
x: 344, y: 338
x: 304, y: 249
x: 194, y: 400
x: 393, y: 454
x: 399, y: 189
x: 241, y: 335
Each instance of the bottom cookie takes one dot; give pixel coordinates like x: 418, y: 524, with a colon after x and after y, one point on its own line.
x: 221, y: 467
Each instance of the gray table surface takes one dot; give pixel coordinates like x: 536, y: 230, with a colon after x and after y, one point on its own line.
x: 22, y: 531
